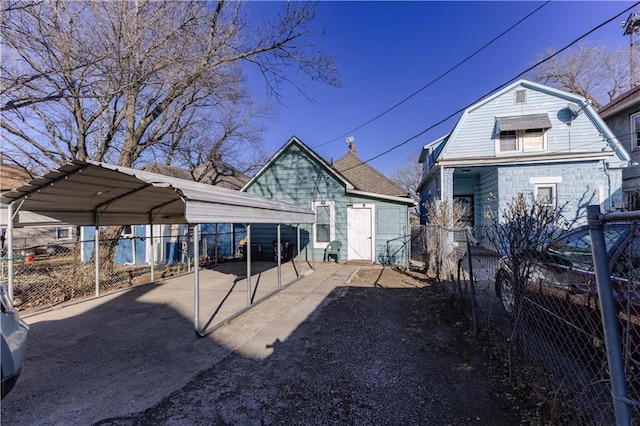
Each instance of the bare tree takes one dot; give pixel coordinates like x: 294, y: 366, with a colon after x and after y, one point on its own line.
x: 519, y: 233
x: 409, y: 177
x: 590, y: 70
x: 444, y: 218
x: 130, y: 81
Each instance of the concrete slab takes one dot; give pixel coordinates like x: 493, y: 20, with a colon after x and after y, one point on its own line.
x: 124, y: 352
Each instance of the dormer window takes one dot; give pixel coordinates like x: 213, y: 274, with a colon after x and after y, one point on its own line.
x: 523, y: 133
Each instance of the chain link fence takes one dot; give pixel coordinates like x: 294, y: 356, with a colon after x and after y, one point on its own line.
x: 545, y: 322
x: 48, y: 274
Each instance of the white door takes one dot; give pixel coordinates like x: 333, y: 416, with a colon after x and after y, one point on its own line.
x: 360, y: 232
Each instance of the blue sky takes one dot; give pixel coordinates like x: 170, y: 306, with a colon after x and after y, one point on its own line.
x: 386, y: 51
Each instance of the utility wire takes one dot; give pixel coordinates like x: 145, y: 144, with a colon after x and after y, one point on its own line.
x: 497, y: 88
x: 435, y: 79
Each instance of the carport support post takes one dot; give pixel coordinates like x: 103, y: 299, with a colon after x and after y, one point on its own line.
x: 196, y: 278
x: 153, y: 257
x: 10, y: 249
x: 96, y: 250
x: 278, y: 254
x: 298, y: 246
x: 609, y: 317
x: 248, y: 252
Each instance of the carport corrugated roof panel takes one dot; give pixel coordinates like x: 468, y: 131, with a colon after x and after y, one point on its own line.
x: 77, y: 191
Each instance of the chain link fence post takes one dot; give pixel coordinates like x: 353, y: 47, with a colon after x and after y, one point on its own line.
x: 609, y: 316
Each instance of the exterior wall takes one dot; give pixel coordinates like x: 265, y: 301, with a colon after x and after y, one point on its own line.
x: 475, y: 135
x: 299, y: 179
x: 580, y: 185
x: 36, y: 238
x: 620, y: 125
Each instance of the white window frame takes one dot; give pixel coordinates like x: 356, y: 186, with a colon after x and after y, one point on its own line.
x: 332, y: 223
x: 635, y: 139
x: 554, y: 194
x: 520, y: 142
x: 69, y: 233
x: 130, y: 234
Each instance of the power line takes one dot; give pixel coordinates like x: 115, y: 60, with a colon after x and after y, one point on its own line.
x: 435, y: 79
x: 497, y: 88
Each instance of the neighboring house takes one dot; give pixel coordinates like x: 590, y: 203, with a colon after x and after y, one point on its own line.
x: 354, y: 204
x: 217, y: 239
x: 35, y: 238
x: 525, y: 139
x: 622, y: 115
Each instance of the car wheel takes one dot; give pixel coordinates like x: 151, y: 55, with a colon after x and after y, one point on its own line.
x: 506, y: 291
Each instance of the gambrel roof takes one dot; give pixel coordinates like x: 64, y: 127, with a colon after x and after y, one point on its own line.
x: 539, y: 119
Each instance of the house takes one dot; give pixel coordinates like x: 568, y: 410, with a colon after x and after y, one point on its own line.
x: 622, y: 115
x: 170, y: 241
x: 525, y: 139
x: 35, y: 239
x: 354, y: 204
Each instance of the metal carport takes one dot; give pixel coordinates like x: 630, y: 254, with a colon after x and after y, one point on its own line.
x: 87, y: 193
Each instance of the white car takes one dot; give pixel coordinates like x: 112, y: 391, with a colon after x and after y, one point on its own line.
x: 13, y: 345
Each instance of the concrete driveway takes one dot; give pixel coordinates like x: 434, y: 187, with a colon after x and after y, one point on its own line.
x: 122, y: 353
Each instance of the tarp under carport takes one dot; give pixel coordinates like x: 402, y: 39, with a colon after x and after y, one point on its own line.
x: 85, y: 193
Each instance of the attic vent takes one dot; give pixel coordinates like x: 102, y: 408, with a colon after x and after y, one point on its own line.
x: 521, y: 96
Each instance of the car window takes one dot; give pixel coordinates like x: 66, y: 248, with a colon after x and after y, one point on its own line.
x: 576, y: 246
x: 627, y: 265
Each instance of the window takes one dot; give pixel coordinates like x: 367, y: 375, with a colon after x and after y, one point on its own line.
x: 635, y: 131
x: 323, y: 224
x: 63, y: 233
x: 546, y: 195
x: 523, y: 140
x: 633, y: 200
x: 127, y: 231
x: 324, y: 228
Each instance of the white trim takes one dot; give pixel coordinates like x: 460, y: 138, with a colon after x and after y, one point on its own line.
x: 545, y: 180
x: 404, y: 200
x: 520, y: 142
x: 554, y: 189
x: 332, y: 223
x: 69, y: 230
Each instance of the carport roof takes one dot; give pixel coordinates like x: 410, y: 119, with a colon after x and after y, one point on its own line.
x: 81, y: 192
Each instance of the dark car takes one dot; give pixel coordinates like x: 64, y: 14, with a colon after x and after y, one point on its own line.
x: 559, y: 281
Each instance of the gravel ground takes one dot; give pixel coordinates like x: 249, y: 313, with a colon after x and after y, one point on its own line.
x: 389, y: 349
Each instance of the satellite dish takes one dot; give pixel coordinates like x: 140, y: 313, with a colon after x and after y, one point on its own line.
x: 574, y: 108
x: 350, y: 139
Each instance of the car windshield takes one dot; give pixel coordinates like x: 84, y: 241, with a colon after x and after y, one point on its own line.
x: 576, y: 246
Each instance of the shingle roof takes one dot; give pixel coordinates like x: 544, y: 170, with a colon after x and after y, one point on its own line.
x: 524, y: 122
x: 222, y: 175
x: 626, y: 99
x: 365, y: 178
x: 12, y: 176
